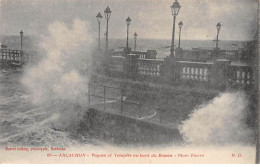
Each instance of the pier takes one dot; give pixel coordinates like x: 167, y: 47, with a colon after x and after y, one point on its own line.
x: 11, y: 58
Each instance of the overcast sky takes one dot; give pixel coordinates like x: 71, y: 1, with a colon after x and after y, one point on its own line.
x: 150, y: 18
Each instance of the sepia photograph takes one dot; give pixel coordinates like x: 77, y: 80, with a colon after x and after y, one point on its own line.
x: 129, y: 82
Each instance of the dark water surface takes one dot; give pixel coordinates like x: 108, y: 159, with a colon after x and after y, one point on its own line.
x: 24, y: 123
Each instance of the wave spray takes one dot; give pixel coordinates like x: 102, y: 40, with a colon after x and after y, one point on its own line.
x: 55, y: 87
x: 219, y: 122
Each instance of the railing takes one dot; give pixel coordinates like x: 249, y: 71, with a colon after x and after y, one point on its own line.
x: 149, y: 67
x: 142, y: 55
x: 187, y: 72
x: 196, y: 71
x: 116, y: 64
x: 118, y: 54
x: 126, y: 101
x: 204, y: 55
x: 150, y: 54
x: 216, y: 74
x: 11, y: 55
x: 145, y: 67
x: 241, y: 75
x: 199, y: 55
x: 229, y: 52
x: 112, y: 98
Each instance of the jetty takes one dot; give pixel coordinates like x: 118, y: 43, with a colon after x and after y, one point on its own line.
x: 11, y: 58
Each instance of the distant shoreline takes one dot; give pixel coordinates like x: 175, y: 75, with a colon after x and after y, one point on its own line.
x: 230, y: 40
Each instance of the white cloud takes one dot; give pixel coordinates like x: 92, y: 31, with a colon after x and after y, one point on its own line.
x: 150, y: 18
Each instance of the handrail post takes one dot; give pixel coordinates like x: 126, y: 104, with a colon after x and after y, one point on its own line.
x: 9, y: 54
x: 104, y: 98
x: 13, y: 55
x: 19, y: 57
x: 89, y: 95
x: 121, y: 100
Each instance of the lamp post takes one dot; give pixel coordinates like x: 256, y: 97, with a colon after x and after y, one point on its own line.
x: 99, y: 18
x: 180, y: 26
x: 21, y: 35
x: 175, y: 10
x: 218, y: 29
x: 128, y: 22
x: 135, y: 37
x: 107, y: 13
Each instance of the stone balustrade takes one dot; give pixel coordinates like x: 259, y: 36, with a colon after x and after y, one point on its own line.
x: 149, y: 67
x: 197, y: 71
x: 217, y: 74
x: 241, y: 75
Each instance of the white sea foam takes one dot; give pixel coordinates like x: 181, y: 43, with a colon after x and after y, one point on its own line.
x: 221, y: 121
x: 57, y: 75
x: 57, y: 80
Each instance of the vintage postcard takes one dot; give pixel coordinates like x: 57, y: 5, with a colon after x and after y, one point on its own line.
x: 129, y: 81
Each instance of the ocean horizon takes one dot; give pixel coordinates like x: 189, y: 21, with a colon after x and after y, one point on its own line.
x: 162, y: 46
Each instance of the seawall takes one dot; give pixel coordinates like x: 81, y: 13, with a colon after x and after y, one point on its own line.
x: 121, y: 130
